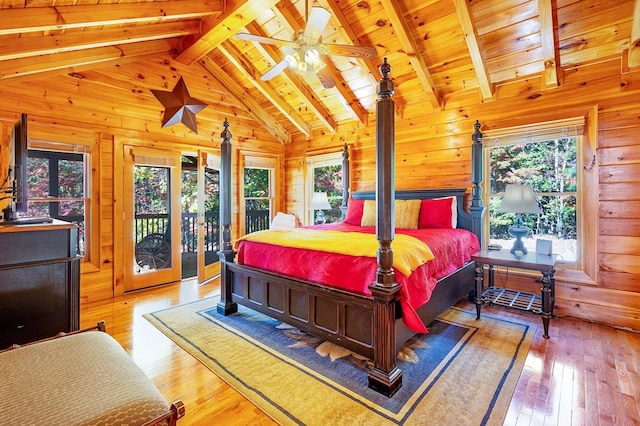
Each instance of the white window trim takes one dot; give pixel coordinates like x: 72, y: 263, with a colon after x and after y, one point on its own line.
x: 584, y: 128
x: 313, y: 161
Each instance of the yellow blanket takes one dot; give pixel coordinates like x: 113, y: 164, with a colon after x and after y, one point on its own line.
x: 408, y: 252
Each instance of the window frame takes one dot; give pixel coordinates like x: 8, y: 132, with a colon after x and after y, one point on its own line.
x: 313, y: 162
x: 62, y: 139
x: 264, y: 163
x: 584, y: 127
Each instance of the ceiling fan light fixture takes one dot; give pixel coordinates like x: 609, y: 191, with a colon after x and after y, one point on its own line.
x: 305, y: 60
x: 312, y: 56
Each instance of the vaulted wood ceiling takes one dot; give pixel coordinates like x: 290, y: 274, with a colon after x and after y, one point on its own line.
x: 441, y: 51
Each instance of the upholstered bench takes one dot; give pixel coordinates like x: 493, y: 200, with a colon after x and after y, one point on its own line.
x: 79, y: 379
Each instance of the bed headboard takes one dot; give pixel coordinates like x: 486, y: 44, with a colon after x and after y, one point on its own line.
x: 464, y: 217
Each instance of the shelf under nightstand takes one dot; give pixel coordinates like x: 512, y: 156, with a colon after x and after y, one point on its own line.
x: 542, y: 304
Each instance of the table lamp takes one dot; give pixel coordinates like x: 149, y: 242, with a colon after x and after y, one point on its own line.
x: 519, y: 199
x: 320, y: 202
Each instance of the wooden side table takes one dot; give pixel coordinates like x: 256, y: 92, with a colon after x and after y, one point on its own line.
x: 531, y: 261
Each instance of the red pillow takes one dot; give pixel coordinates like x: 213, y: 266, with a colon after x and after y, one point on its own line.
x: 353, y: 216
x: 435, y: 213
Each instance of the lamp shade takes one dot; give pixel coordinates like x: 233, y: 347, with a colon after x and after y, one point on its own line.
x: 519, y: 199
x: 319, y: 201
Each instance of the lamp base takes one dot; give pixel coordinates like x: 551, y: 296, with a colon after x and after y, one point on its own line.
x: 519, y: 232
x: 320, y: 219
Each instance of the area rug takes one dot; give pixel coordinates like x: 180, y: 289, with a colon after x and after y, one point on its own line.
x: 461, y: 372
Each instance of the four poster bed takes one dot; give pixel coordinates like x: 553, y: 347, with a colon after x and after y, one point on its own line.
x: 376, y: 320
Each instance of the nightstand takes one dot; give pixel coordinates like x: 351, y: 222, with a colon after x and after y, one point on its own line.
x: 545, y: 264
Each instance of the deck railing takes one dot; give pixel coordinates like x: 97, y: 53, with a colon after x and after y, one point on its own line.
x: 257, y: 220
x: 146, y: 223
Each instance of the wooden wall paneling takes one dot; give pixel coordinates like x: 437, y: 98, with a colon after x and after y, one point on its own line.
x: 614, y: 138
x: 614, y: 225
x: 620, y: 210
x: 621, y: 282
x: 619, y: 173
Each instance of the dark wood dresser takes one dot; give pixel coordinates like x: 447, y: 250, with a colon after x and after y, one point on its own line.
x: 39, y: 281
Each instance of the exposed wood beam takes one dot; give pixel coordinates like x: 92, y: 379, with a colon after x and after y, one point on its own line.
x: 231, y: 53
x: 66, y: 62
x: 403, y: 31
x: 216, y: 29
x: 347, y: 98
x: 270, y: 124
x: 471, y: 37
x: 32, y: 19
x: 548, y: 41
x: 345, y: 29
x: 634, y: 48
x: 72, y: 41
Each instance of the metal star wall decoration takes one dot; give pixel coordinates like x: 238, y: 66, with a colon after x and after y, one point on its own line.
x: 179, y: 106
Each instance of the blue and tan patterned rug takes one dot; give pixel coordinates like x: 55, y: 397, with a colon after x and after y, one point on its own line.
x: 462, y: 372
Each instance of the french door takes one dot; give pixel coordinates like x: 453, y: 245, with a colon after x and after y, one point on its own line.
x: 152, y: 219
x: 208, y: 215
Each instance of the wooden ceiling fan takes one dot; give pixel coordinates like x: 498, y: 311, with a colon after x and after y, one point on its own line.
x: 304, y: 53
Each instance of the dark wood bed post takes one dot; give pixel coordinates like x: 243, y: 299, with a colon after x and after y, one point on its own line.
x: 345, y: 181
x: 477, y: 208
x: 226, y: 254
x: 385, y: 376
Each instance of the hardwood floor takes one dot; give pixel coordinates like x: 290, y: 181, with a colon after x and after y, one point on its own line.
x: 585, y: 374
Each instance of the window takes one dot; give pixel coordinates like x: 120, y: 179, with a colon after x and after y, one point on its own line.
x: 546, y: 158
x: 57, y: 188
x: 257, y: 199
x: 325, y: 175
x: 258, y: 192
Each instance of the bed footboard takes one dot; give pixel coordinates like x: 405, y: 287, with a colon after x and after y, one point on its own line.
x: 331, y: 314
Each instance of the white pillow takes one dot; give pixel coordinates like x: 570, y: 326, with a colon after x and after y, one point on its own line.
x: 283, y: 222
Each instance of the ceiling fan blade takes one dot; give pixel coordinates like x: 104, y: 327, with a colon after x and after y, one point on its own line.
x: 318, y: 19
x: 364, y: 52
x: 326, y: 78
x: 275, y: 70
x: 266, y: 40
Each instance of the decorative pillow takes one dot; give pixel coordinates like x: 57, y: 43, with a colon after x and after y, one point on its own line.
x: 353, y: 216
x: 283, y: 222
x: 368, y: 213
x: 439, y: 213
x: 407, y: 213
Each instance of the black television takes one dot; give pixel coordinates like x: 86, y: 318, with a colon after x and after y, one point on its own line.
x: 17, y: 188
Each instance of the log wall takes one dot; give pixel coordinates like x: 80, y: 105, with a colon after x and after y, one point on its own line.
x: 434, y: 151
x: 115, y: 103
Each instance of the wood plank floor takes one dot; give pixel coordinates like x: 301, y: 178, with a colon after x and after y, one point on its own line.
x: 585, y: 374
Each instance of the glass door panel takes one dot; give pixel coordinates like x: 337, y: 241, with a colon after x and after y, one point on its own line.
x: 209, y: 216
x: 152, y: 221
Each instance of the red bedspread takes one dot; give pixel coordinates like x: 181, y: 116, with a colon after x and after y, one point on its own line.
x: 451, y: 248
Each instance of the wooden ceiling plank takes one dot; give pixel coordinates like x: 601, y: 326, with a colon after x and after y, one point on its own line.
x: 216, y: 29
x: 634, y: 48
x: 267, y: 91
x: 471, y: 37
x: 35, y: 19
x: 72, y: 41
x: 61, y: 63
x: 235, y: 91
x: 548, y: 42
x: 403, y: 31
